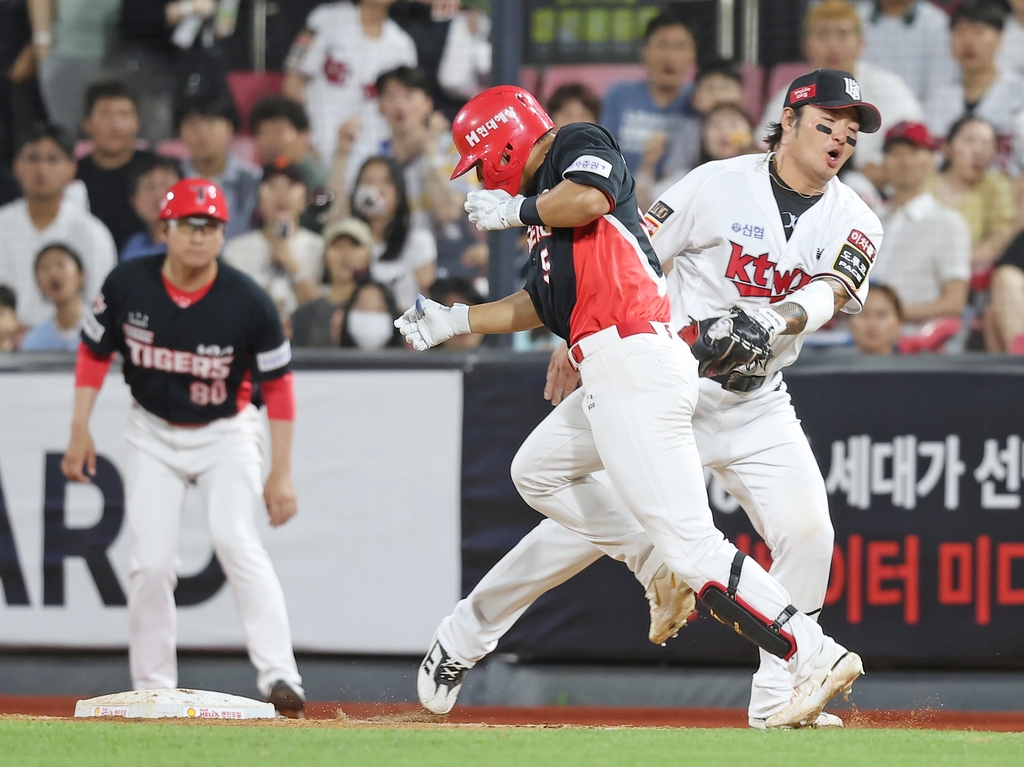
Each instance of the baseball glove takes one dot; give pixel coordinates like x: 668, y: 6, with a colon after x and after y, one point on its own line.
x: 725, y: 344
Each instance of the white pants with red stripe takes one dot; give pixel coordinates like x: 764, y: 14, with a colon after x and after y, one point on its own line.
x: 755, y: 447
x: 224, y: 459
x: 633, y: 418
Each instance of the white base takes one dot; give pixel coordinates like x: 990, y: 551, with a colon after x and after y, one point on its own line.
x: 175, y: 703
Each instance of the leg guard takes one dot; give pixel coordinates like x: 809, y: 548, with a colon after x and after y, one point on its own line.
x: 731, y: 610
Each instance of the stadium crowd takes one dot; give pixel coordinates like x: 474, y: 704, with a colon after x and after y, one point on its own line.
x: 338, y: 185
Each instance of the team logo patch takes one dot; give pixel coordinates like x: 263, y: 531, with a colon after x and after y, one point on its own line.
x: 275, y: 358
x: 92, y: 328
x: 863, y: 243
x: 852, y: 264
x: 852, y: 88
x: 590, y: 164
x: 660, y: 211
x: 803, y: 93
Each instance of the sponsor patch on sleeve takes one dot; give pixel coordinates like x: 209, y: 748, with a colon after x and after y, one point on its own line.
x: 92, y: 328
x: 659, y: 211
x: 852, y: 264
x: 275, y: 358
x: 588, y: 163
x: 863, y: 243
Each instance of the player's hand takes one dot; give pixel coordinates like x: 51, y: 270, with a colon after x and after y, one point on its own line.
x: 80, y: 453
x: 279, y: 493
x: 562, y: 378
x: 493, y: 209
x: 428, y: 323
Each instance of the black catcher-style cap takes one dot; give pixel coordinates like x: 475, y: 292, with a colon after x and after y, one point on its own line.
x: 833, y: 89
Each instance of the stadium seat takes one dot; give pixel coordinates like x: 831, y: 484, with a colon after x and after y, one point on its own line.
x: 932, y: 337
x: 249, y: 87
x: 785, y: 73
x: 753, y: 98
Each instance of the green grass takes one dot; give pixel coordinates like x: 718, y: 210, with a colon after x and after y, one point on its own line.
x: 84, y: 744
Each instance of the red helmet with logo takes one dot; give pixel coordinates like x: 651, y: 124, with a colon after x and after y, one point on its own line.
x: 194, y: 197
x: 498, y: 128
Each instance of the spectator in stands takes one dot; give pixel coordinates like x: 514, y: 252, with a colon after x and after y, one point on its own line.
x: 457, y: 290
x: 404, y: 255
x: 1011, y: 54
x: 911, y: 39
x: 205, y: 125
x: 10, y: 328
x: 641, y: 115
x: 280, y: 126
x: 926, y: 254
x: 334, y: 64
x: 369, y: 319
x: 726, y: 132
x: 60, y: 278
x: 833, y: 40
x: 44, y: 166
x: 149, y: 183
x: 573, y: 103
x: 1005, y: 329
x: 346, y: 262
x: 717, y: 82
x: 112, y: 122
x: 983, y: 90
x: 283, y: 258
x: 79, y: 33
x: 876, y: 328
x: 20, y: 102
x: 983, y: 195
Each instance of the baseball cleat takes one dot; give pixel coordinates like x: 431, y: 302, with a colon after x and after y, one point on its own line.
x: 439, y: 678
x: 825, y: 721
x: 286, y: 700
x: 835, y: 671
x: 672, y: 602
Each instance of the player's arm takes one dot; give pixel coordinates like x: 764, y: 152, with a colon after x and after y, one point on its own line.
x: 279, y: 490
x: 568, y: 205
x: 79, y: 462
x: 428, y: 323
x: 794, y: 313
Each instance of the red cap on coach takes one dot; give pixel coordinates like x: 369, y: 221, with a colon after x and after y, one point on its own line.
x: 194, y: 197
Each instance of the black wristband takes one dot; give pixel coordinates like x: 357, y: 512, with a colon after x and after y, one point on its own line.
x: 528, y: 212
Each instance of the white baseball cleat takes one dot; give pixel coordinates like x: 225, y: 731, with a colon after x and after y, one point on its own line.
x: 672, y: 602
x: 439, y: 678
x: 825, y: 721
x: 835, y: 671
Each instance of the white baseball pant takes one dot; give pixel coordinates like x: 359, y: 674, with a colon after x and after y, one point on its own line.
x: 638, y: 400
x: 224, y: 460
x: 755, y: 447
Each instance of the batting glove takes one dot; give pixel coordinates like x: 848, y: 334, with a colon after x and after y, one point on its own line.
x: 769, y: 319
x: 429, y: 323
x: 492, y: 209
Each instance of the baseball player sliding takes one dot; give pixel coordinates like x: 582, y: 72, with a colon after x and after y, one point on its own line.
x: 195, y: 335
x: 596, y: 281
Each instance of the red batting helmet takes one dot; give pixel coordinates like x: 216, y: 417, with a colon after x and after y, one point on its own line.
x: 498, y: 128
x: 194, y: 197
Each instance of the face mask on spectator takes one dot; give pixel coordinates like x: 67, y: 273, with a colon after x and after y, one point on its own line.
x: 370, y: 330
x: 369, y: 201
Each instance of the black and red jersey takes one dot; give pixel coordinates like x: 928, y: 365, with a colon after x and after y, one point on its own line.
x: 606, y: 273
x: 188, y: 365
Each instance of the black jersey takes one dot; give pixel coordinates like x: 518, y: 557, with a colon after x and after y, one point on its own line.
x: 606, y: 273
x: 188, y: 365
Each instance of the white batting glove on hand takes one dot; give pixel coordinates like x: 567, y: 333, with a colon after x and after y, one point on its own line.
x: 770, y: 320
x: 429, y: 323
x: 493, y: 209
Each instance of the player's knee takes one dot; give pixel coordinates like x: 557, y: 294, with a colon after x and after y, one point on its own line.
x: 526, y: 474
x: 155, y: 569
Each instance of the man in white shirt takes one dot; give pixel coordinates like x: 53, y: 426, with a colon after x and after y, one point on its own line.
x: 985, y: 91
x: 926, y: 254
x: 44, y: 165
x: 284, y: 259
x: 334, y: 64
x: 910, y: 38
x: 833, y: 40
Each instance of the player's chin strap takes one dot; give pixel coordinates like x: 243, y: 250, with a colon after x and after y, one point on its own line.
x: 729, y: 609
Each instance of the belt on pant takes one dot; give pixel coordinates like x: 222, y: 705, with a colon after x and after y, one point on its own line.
x: 734, y: 381
x: 592, y: 343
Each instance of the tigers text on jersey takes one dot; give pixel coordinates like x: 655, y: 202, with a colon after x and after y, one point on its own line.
x: 721, y: 222
x: 591, y: 277
x: 186, y: 365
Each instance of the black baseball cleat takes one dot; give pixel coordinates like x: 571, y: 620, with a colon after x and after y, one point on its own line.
x: 439, y: 679
x: 287, y: 701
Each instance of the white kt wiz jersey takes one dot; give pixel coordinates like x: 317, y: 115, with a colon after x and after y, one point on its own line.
x: 188, y: 365
x: 722, y: 225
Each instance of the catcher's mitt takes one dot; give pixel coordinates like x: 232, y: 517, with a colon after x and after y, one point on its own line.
x: 724, y: 344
